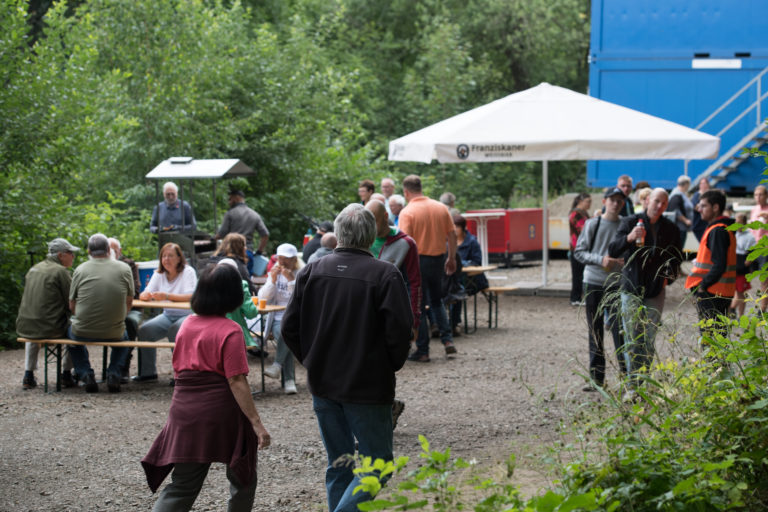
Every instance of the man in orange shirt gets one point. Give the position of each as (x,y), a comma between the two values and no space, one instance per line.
(429,223)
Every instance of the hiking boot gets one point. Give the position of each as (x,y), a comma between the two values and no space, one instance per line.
(67,380)
(290,387)
(29,381)
(397,410)
(450,348)
(90,383)
(113,383)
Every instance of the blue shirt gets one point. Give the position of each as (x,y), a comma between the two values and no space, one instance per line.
(168,218)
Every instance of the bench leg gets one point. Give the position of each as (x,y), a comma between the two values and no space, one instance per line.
(104,366)
(52,352)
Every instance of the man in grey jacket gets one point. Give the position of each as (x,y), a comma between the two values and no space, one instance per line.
(601,284)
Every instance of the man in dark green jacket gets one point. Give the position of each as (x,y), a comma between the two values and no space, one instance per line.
(44,310)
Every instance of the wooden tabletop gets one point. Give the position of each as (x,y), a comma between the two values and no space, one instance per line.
(478,269)
(271,308)
(161,304)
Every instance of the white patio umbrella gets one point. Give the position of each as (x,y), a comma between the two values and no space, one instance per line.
(547,123)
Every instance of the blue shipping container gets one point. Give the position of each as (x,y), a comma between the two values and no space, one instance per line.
(680,60)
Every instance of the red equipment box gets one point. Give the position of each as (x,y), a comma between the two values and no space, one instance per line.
(514,236)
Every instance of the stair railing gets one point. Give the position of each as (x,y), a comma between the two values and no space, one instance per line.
(756,105)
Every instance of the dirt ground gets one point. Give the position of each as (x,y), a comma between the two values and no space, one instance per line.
(504,392)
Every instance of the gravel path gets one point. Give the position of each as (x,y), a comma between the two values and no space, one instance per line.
(505,391)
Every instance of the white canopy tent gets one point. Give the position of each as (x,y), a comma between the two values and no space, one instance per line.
(547,123)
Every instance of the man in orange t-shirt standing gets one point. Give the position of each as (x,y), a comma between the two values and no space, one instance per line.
(429,223)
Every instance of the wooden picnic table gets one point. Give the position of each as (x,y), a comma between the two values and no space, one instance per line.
(473,270)
(161,304)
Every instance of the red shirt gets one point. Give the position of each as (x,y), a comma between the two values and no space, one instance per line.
(210,344)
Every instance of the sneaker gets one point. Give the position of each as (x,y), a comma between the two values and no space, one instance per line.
(290,387)
(273,372)
(29,381)
(435,331)
(90,383)
(450,348)
(419,358)
(144,378)
(397,410)
(68,380)
(113,383)
(456,331)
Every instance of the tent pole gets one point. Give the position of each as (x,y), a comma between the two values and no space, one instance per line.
(544,223)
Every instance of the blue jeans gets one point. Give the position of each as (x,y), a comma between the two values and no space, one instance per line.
(432,271)
(641,319)
(152,330)
(284,356)
(81,362)
(340,424)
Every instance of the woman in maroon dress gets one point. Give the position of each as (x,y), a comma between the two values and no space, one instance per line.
(212,416)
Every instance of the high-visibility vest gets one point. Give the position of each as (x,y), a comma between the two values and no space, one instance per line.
(726,285)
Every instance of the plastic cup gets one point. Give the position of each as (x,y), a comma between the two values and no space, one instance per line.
(262,303)
(255,301)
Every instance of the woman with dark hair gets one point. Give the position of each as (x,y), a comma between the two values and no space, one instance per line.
(576,219)
(212,416)
(173,281)
(469,253)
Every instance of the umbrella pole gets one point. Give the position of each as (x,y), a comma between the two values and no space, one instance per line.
(544,223)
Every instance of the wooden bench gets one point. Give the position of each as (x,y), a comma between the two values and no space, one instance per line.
(491,295)
(52,348)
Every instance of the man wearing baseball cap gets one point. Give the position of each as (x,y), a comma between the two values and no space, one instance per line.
(601,284)
(44,309)
(242,219)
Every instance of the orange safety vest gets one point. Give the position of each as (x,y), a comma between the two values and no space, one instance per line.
(726,285)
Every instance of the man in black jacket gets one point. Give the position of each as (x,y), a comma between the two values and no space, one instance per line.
(652,255)
(349,323)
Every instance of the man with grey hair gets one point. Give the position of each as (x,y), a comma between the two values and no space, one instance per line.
(396,204)
(101,294)
(133,318)
(168,216)
(652,253)
(44,308)
(449,200)
(680,208)
(387,187)
(349,323)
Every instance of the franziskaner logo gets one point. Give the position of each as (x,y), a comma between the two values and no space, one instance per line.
(462,151)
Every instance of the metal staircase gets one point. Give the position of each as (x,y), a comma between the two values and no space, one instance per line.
(757,137)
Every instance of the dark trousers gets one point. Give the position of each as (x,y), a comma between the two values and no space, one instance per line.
(187,480)
(432,271)
(709,306)
(82,364)
(577,276)
(599,300)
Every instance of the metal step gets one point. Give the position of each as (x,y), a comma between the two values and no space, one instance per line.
(734,157)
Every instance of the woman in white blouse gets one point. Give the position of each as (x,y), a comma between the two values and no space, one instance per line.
(278,290)
(173,281)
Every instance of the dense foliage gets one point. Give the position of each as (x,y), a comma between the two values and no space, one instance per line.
(95,93)
(695,440)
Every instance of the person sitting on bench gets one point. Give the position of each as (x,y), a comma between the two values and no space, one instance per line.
(44,308)
(100,296)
